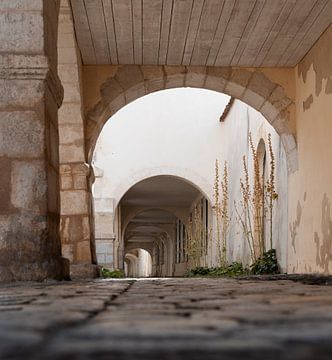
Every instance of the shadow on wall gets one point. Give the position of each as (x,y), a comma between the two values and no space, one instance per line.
(324,245)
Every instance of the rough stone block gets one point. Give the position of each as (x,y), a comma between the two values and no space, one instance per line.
(253,99)
(135,92)
(154,85)
(72,93)
(116,104)
(70,113)
(66,182)
(83,251)
(52,144)
(280,123)
(104,248)
(66,40)
(74,202)
(195,76)
(258,90)
(79,181)
(86,227)
(83,271)
(22,31)
(20,93)
(5,188)
(237,83)
(65,27)
(101,258)
(68,55)
(109,259)
(68,73)
(277,102)
(67,251)
(28,186)
(21,134)
(21,5)
(53,195)
(217,78)
(152,72)
(71,134)
(72,153)
(111,89)
(129,76)
(174,76)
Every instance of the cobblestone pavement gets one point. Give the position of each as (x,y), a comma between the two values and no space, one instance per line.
(180,319)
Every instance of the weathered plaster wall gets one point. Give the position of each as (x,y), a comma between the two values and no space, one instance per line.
(241,120)
(310,189)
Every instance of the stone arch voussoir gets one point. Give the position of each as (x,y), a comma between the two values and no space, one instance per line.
(253,87)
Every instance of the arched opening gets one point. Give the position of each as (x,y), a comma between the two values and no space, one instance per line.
(137,263)
(254,88)
(151,213)
(155,174)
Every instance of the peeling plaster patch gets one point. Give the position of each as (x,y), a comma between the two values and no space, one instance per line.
(324,247)
(307,103)
(320,57)
(294,226)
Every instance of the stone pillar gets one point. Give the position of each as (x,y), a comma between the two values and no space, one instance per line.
(75,218)
(76,210)
(30,94)
(105,236)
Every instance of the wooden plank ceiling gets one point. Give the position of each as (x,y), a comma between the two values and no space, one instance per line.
(251,33)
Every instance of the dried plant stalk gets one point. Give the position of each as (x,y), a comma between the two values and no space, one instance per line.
(217,210)
(253,202)
(270,189)
(245,203)
(224,214)
(196,235)
(258,203)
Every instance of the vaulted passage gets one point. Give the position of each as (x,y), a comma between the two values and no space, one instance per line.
(181,148)
(153,209)
(159,187)
(69,66)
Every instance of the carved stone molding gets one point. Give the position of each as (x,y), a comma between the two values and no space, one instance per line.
(31,67)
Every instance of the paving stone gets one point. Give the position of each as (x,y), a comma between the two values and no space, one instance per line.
(175,319)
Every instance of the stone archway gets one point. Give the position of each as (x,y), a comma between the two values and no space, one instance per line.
(186,175)
(129,82)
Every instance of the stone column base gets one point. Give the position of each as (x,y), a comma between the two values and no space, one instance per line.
(84,271)
(57,269)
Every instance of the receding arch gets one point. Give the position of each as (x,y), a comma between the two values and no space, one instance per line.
(252,87)
(188,176)
(137,211)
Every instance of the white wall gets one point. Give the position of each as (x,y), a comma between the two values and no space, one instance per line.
(234,143)
(176,130)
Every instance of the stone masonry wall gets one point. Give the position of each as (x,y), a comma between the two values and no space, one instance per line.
(30,94)
(76,233)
